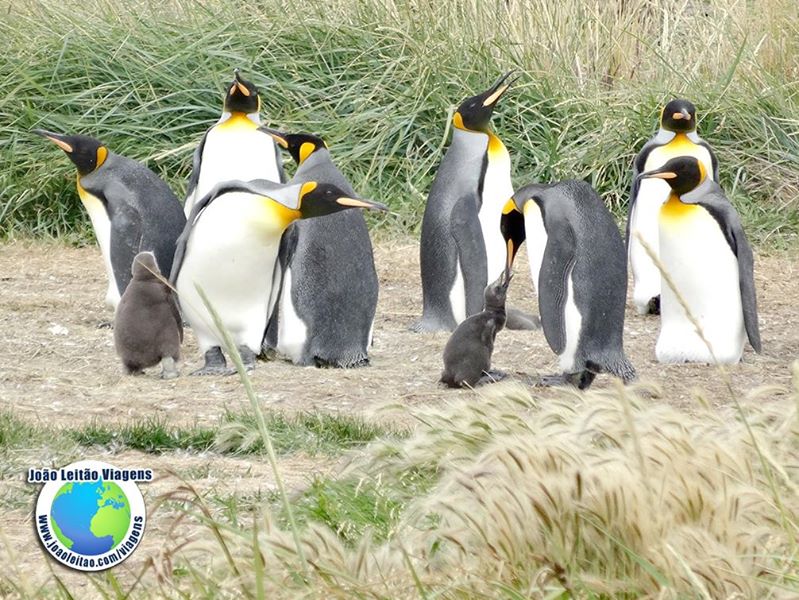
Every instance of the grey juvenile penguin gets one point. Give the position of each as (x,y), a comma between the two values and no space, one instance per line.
(147,327)
(467,355)
(582,285)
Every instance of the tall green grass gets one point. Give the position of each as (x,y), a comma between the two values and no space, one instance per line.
(378,79)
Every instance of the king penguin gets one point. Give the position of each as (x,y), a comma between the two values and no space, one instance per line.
(707,257)
(461,246)
(677,137)
(326,305)
(582,280)
(229,249)
(234,148)
(131,209)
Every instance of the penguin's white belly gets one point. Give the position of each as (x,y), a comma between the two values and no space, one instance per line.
(102,231)
(573,322)
(536,238)
(231,256)
(652,193)
(234,152)
(497,190)
(457,295)
(704,269)
(292,331)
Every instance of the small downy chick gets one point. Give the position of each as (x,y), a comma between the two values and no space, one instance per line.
(147,326)
(467,355)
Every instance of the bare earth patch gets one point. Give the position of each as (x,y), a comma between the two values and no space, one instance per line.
(58,368)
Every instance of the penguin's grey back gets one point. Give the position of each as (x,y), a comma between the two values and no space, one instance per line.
(334,284)
(456,185)
(142,207)
(599,274)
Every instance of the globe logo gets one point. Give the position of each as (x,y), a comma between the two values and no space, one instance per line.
(90,515)
(90,518)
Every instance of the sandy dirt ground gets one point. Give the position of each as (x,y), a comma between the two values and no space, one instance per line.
(58,368)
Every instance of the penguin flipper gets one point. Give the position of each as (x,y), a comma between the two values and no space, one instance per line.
(126,239)
(720,208)
(196,165)
(468,236)
(638,167)
(556,268)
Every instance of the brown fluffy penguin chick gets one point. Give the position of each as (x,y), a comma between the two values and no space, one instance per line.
(467,355)
(147,326)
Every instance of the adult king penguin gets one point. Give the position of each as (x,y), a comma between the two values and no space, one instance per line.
(705,253)
(461,247)
(131,209)
(234,148)
(229,249)
(326,307)
(582,281)
(677,137)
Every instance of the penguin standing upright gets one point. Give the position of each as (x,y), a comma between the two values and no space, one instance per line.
(467,355)
(582,281)
(328,296)
(148,328)
(461,246)
(677,137)
(706,255)
(229,249)
(131,208)
(234,148)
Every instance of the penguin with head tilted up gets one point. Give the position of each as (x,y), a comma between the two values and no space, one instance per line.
(148,328)
(467,355)
(582,285)
(705,254)
(130,207)
(234,148)
(461,246)
(677,137)
(229,249)
(328,283)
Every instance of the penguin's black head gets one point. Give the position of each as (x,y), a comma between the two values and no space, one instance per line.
(242,96)
(299,145)
(145,267)
(496,292)
(87,153)
(678,116)
(511,224)
(320,199)
(474,114)
(683,174)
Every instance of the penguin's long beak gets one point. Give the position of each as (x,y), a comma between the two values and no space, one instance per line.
(57,139)
(496,91)
(238,84)
(278,136)
(682,115)
(657,174)
(358,203)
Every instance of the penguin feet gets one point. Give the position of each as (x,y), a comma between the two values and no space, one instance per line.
(491,377)
(168,368)
(653,308)
(248,358)
(215,364)
(521,321)
(582,380)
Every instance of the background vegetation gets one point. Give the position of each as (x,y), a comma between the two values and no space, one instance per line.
(378,79)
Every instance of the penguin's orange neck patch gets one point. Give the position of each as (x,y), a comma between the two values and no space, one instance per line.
(237,121)
(495,146)
(674,209)
(679,143)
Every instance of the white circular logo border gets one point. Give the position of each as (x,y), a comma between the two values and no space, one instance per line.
(97,562)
